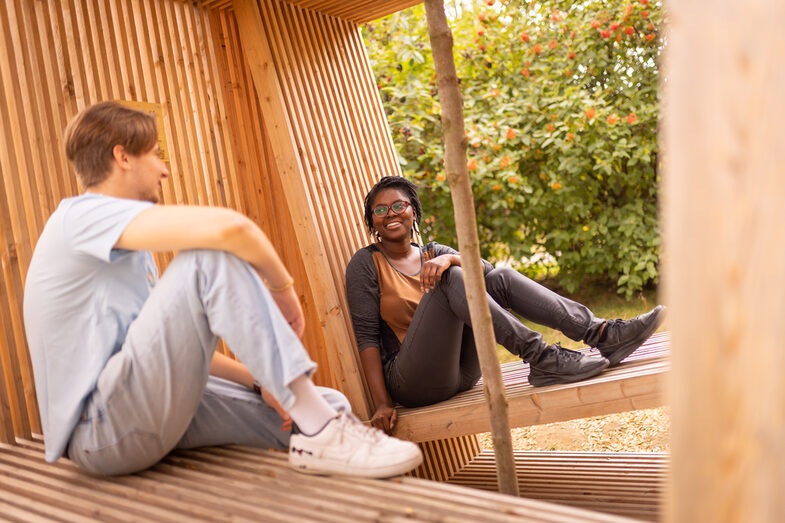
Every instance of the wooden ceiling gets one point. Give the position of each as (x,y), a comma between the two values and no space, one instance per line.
(357,11)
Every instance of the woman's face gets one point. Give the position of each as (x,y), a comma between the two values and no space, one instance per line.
(393,226)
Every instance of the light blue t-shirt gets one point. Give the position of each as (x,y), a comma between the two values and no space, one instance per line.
(81,295)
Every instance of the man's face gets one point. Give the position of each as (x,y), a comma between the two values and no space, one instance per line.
(147,172)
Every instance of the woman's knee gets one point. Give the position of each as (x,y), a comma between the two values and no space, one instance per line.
(500,274)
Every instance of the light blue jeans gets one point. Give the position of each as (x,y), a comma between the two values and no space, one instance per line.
(156,394)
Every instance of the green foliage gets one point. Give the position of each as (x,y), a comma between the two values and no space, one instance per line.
(561,119)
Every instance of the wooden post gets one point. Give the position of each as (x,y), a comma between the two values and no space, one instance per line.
(724,215)
(287,162)
(468,241)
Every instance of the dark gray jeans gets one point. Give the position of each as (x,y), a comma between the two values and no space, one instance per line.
(438,358)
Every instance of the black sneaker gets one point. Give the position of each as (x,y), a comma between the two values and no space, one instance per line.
(624,336)
(559,365)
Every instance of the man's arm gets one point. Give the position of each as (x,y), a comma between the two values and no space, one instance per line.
(183,227)
(225,367)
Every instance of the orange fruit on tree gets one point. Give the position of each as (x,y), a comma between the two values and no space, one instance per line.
(556,186)
(505,162)
(512,179)
(510,135)
(496,187)
(440,177)
(472,166)
(612,119)
(632,118)
(591,113)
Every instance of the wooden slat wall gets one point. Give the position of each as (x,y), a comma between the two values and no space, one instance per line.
(337,118)
(59,57)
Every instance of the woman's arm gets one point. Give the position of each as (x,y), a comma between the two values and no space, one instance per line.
(384,417)
(432,270)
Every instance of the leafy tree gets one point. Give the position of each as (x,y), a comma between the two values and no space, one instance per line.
(561,110)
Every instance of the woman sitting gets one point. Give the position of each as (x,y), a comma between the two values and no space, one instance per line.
(411,318)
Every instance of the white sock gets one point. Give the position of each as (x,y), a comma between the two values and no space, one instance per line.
(310,411)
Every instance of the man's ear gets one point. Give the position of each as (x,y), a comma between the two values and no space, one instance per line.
(121,157)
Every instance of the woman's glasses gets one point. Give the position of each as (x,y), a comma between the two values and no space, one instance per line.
(397,208)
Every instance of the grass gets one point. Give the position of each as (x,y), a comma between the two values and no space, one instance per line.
(603,301)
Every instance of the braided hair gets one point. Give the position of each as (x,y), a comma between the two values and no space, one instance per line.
(393,182)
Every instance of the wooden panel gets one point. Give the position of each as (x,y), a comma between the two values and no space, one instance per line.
(626,484)
(58,57)
(635,384)
(723,214)
(243,484)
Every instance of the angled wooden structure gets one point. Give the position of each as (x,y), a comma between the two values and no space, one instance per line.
(268,107)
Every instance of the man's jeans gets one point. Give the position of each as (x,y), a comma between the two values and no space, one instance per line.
(154,394)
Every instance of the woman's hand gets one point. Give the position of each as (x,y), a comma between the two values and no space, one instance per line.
(432,270)
(289,303)
(384,418)
(286,423)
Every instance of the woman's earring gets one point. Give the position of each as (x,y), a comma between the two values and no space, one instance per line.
(378,237)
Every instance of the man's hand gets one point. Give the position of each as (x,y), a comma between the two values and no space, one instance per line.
(384,418)
(286,424)
(289,303)
(432,270)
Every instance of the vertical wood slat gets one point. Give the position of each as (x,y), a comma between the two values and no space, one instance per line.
(270,86)
(723,214)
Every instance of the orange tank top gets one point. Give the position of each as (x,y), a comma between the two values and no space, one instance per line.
(399,294)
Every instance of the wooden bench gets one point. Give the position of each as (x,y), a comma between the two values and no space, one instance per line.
(635,384)
(627,484)
(244,484)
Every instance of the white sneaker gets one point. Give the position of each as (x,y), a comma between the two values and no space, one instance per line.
(347,447)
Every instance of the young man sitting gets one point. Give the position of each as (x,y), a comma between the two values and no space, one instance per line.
(125,365)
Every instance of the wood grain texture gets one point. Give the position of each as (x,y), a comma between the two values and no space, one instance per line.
(723,217)
(621,483)
(244,484)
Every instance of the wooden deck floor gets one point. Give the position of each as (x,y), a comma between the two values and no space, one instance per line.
(628,484)
(635,384)
(244,484)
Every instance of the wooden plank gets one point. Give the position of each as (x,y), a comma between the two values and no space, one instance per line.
(627,484)
(245,484)
(635,384)
(287,161)
(723,213)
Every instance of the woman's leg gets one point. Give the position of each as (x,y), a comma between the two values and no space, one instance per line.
(437,358)
(536,303)
(616,339)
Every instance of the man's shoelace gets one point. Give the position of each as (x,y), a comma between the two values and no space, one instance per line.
(350,422)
